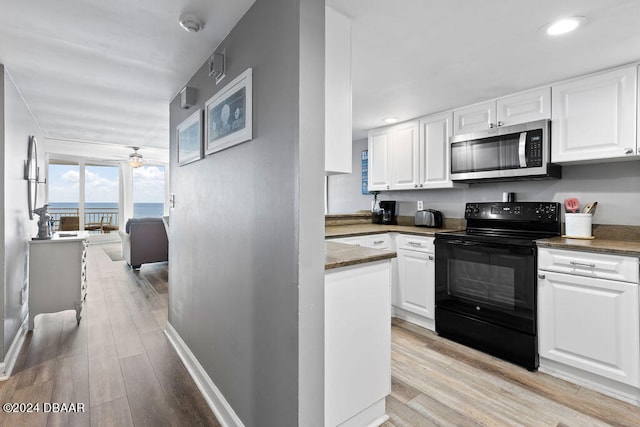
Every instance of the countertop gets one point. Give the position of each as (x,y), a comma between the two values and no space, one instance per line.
(364,229)
(342,255)
(619,247)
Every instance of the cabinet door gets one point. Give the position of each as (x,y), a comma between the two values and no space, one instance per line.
(434,150)
(524,107)
(416,278)
(474,118)
(595,117)
(337,110)
(404,156)
(378,160)
(590,324)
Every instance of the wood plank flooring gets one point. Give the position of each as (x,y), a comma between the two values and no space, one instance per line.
(117,362)
(436,382)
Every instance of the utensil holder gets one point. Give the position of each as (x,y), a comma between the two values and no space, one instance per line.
(578,225)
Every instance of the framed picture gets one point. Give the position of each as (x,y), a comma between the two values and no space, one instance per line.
(229,115)
(189,137)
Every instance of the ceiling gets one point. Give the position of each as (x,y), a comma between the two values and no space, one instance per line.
(105,71)
(415,57)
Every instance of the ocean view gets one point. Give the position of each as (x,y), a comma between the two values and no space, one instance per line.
(140,210)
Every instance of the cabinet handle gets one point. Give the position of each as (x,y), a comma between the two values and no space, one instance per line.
(387,187)
(421,185)
(582,264)
(414,244)
(430,257)
(541,276)
(628,151)
(500,124)
(492,125)
(415,185)
(377,242)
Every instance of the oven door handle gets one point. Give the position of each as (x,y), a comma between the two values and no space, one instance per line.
(462,242)
(496,248)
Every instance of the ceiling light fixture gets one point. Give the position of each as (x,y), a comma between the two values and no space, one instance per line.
(564,25)
(135,158)
(191,23)
(390,120)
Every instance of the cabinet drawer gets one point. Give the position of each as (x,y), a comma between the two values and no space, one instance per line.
(591,264)
(378,241)
(415,243)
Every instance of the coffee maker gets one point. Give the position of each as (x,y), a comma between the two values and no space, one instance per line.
(387,212)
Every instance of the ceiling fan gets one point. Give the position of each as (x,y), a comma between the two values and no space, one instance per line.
(135,158)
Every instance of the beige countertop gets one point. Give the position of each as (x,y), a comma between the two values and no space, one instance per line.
(619,247)
(342,255)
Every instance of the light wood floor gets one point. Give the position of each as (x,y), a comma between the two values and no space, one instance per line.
(436,382)
(117,362)
(120,365)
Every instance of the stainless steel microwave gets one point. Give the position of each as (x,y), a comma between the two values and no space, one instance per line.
(508,153)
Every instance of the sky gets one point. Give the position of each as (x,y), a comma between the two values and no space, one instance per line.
(102,184)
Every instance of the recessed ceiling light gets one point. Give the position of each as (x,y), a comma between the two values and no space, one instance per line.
(390,120)
(564,25)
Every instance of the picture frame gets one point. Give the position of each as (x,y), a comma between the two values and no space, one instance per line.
(229,115)
(189,139)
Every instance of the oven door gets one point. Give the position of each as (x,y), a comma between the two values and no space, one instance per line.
(492,282)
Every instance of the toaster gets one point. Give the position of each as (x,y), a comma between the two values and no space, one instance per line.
(429,218)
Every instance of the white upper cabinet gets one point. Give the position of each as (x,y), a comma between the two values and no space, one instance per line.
(435,131)
(595,117)
(338,127)
(524,107)
(393,157)
(404,155)
(510,110)
(474,118)
(379,160)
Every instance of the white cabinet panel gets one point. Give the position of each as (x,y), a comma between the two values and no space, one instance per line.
(434,151)
(404,152)
(474,118)
(338,129)
(524,107)
(379,160)
(417,293)
(595,117)
(602,266)
(357,340)
(590,324)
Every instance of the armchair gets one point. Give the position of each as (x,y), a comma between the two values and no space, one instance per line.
(144,240)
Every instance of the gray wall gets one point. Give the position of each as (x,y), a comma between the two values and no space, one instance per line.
(16,124)
(615,186)
(240,264)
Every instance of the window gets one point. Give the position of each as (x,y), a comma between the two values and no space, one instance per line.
(63,183)
(148,191)
(101,195)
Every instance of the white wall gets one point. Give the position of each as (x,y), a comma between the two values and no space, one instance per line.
(615,186)
(16,229)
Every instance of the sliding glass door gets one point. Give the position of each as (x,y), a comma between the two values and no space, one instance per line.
(101,198)
(148,191)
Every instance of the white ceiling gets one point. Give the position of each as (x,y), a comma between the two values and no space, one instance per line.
(415,57)
(105,71)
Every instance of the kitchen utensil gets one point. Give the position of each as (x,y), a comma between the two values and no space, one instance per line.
(571,205)
(590,208)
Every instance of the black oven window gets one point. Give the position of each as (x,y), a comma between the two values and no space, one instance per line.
(483,283)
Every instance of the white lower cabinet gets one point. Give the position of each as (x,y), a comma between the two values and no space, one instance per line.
(357,344)
(415,291)
(588,323)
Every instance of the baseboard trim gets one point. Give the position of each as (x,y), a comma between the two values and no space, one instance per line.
(6,367)
(216,401)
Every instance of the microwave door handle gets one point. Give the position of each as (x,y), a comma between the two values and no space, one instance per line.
(522,152)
